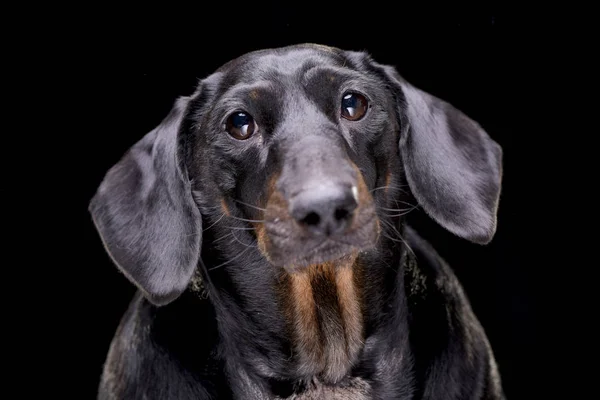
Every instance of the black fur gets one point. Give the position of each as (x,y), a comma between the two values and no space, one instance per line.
(179,213)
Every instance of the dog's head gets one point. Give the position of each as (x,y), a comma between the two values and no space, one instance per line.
(309,146)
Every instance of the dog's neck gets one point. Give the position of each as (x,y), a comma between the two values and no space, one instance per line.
(324,311)
(324,318)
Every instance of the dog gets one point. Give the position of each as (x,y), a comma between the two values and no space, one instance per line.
(263,222)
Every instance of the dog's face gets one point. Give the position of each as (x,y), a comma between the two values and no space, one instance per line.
(296,138)
(297,143)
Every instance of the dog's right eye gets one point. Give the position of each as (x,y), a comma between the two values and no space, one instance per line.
(240,125)
(354,106)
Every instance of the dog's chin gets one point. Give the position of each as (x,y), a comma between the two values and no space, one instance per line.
(327,252)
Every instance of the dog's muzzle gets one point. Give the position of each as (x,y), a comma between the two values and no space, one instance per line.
(319,209)
(326,209)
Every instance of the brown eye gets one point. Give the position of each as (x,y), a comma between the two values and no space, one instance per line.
(354,106)
(240,125)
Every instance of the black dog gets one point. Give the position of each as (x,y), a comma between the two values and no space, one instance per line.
(262,222)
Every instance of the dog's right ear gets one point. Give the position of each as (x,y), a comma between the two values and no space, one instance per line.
(453,167)
(146,216)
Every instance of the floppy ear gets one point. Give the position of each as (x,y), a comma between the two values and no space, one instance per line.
(146,216)
(453,167)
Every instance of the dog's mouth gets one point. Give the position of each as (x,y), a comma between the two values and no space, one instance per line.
(293,251)
(326,252)
(286,242)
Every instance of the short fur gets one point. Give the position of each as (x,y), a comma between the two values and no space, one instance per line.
(238,299)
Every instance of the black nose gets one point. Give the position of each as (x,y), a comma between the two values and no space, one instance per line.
(325,210)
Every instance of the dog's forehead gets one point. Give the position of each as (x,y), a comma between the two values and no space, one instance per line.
(292,61)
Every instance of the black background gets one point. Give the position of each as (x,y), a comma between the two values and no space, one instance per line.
(125,69)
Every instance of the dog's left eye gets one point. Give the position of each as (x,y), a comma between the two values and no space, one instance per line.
(354,106)
(240,125)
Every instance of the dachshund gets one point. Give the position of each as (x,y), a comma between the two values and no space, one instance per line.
(263,222)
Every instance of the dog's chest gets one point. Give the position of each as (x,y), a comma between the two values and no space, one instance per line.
(354,389)
(325,316)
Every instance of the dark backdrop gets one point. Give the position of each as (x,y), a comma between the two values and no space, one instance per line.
(126,69)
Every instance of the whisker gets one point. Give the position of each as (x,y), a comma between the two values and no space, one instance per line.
(214,223)
(193,234)
(389,224)
(392,187)
(236,228)
(250,205)
(222,237)
(398,209)
(230,260)
(240,242)
(399,214)
(406,202)
(391,238)
(402,241)
(389,266)
(399,236)
(247,220)
(378,188)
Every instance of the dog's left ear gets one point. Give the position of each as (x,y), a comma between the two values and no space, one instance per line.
(453,167)
(146,216)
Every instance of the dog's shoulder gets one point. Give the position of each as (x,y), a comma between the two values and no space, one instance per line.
(447,339)
(435,296)
(427,275)
(143,363)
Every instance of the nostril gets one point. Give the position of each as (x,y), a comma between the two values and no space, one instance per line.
(311,219)
(324,210)
(341,214)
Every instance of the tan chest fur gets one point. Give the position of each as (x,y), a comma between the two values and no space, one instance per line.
(324,313)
